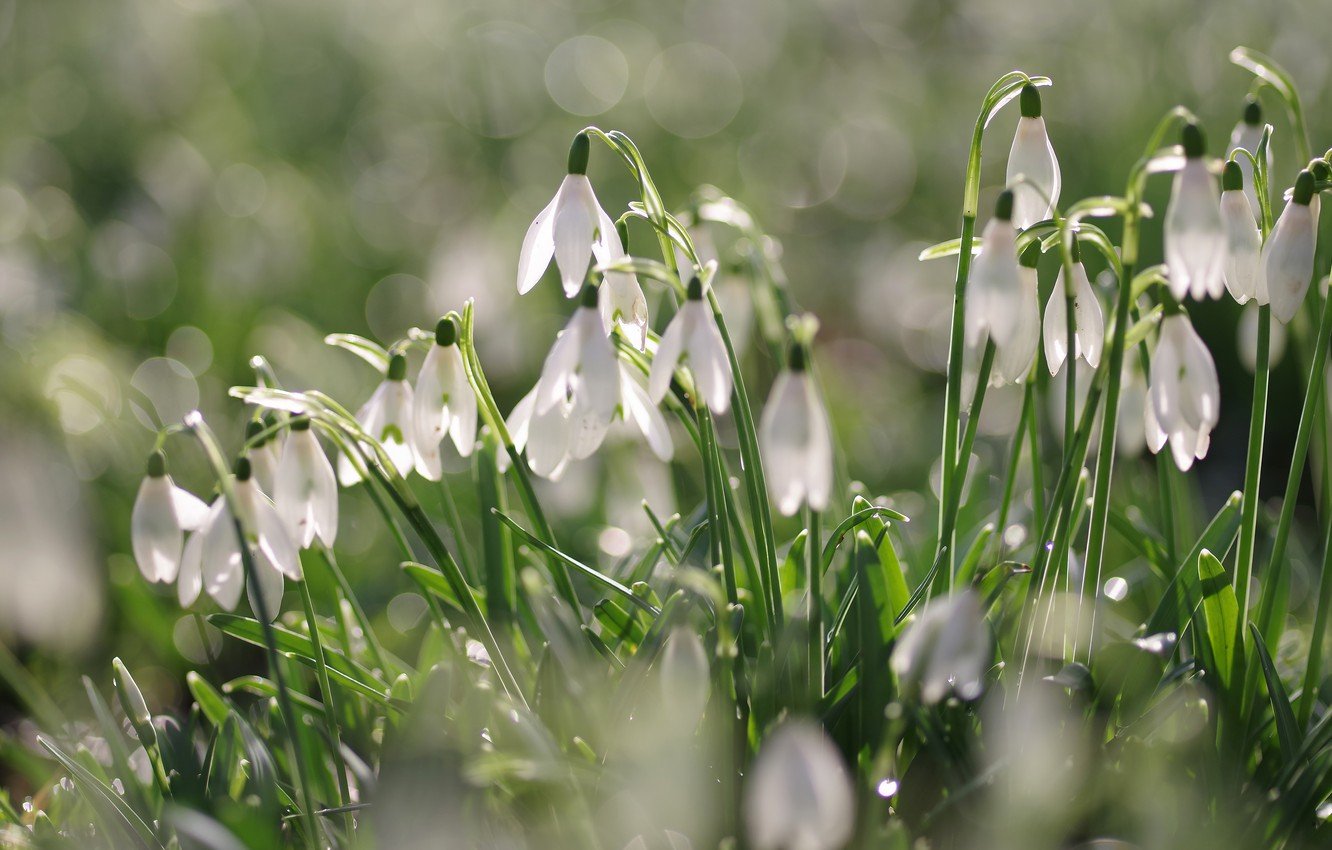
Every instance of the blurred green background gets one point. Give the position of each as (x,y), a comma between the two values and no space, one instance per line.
(185,183)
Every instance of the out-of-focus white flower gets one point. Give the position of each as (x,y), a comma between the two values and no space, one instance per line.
(162,514)
(693,337)
(795,439)
(622,299)
(1184,394)
(946,649)
(799,795)
(306,493)
(1195,238)
(1246,344)
(1032,158)
(685,682)
(994,292)
(443,402)
(1244,267)
(1289,253)
(582,373)
(571,228)
(212,558)
(1088,322)
(1248,134)
(264,456)
(387,417)
(1012,360)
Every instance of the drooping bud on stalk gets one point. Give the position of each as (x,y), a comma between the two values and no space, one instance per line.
(795,438)
(1244,268)
(693,339)
(1248,134)
(1195,237)
(1033,170)
(1288,255)
(443,403)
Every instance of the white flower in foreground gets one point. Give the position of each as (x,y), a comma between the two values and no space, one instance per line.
(692,338)
(799,795)
(1012,361)
(1289,253)
(1244,267)
(571,227)
(994,292)
(443,402)
(1195,238)
(1184,395)
(1248,134)
(544,436)
(795,439)
(685,682)
(387,417)
(1032,158)
(946,649)
(582,371)
(306,493)
(622,299)
(212,559)
(1088,322)
(162,514)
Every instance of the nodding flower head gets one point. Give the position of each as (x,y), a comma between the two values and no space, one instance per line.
(306,493)
(1184,396)
(795,439)
(1289,253)
(1248,134)
(1088,321)
(387,418)
(692,339)
(1243,268)
(1195,237)
(443,404)
(162,514)
(994,293)
(1033,169)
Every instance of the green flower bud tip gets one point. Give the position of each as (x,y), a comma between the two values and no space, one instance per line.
(1031,255)
(1232,178)
(1320,170)
(300,423)
(796,357)
(1304,188)
(578,153)
(587,296)
(446,332)
(137,707)
(397,370)
(1030,101)
(253,428)
(695,291)
(1003,207)
(1253,111)
(622,230)
(157,465)
(243,470)
(1195,144)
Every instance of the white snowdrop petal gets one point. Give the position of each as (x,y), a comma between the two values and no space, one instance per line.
(1195,238)
(223,574)
(155,533)
(557,372)
(189,583)
(1055,327)
(1288,261)
(799,794)
(1090,321)
(1033,158)
(1243,260)
(191,511)
(274,541)
(995,286)
(573,231)
(710,364)
(669,350)
(548,441)
(538,247)
(640,410)
(462,399)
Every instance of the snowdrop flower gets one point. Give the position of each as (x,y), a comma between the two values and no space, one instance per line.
(571,228)
(1289,253)
(1033,159)
(212,559)
(582,372)
(693,337)
(1088,323)
(1184,395)
(162,514)
(995,291)
(622,301)
(443,402)
(387,417)
(1012,361)
(638,409)
(946,649)
(306,493)
(1244,268)
(795,439)
(799,795)
(264,456)
(1195,238)
(1248,133)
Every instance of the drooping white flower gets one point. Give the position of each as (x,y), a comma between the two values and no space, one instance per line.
(795,439)
(443,403)
(946,649)
(212,559)
(693,338)
(544,436)
(162,514)
(582,371)
(685,683)
(799,795)
(264,456)
(1289,253)
(1012,361)
(622,299)
(1032,158)
(1184,394)
(1244,267)
(306,493)
(994,292)
(571,227)
(1195,238)
(1088,322)
(1248,134)
(387,417)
